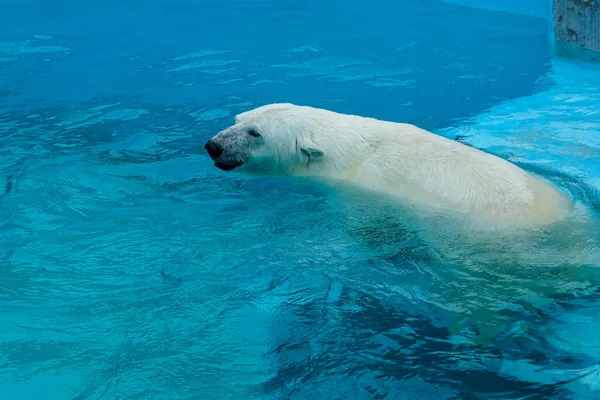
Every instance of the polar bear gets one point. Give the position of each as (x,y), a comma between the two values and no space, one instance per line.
(425,170)
(396,159)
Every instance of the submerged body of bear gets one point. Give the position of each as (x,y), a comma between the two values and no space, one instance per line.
(433,173)
(397,159)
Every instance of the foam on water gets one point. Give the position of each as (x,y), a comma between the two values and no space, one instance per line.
(28,46)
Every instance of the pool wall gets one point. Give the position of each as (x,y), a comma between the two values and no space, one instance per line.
(577,28)
(536,8)
(573,25)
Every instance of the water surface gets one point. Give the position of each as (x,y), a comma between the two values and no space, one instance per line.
(131,268)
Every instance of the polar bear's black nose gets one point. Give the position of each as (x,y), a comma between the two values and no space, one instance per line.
(214,149)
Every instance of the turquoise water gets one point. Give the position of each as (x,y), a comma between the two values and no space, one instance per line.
(131,268)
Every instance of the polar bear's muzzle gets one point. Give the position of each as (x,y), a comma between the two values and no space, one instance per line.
(227,167)
(223,159)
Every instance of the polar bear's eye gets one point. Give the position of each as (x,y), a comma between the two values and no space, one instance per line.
(253,132)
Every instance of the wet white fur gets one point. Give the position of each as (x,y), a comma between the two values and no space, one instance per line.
(400,160)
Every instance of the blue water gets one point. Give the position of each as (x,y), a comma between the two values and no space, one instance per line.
(132,269)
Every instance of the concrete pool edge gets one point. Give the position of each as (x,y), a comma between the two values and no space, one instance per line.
(576,29)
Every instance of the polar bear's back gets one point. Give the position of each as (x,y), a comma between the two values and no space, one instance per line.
(436,171)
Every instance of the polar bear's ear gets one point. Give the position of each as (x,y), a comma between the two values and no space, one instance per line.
(311,150)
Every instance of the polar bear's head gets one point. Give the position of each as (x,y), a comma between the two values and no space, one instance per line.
(275,137)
